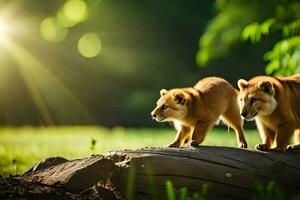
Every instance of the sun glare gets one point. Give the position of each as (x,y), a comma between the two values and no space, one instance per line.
(3,29)
(38,79)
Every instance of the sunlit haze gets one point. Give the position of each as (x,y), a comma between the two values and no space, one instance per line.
(3,29)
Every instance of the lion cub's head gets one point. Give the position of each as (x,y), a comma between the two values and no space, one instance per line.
(172,105)
(256,98)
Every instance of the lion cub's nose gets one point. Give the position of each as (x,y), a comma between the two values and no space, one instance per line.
(244,114)
(153,114)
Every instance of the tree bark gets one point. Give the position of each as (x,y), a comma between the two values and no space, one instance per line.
(229,173)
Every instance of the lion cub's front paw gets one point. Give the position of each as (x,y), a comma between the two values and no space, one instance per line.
(293,147)
(243,145)
(290,147)
(194,143)
(262,147)
(174,144)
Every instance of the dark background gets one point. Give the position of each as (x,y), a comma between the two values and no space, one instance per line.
(146,46)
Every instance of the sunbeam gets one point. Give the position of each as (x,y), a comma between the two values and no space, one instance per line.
(37,76)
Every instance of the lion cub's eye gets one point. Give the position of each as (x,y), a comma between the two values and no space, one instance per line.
(164,106)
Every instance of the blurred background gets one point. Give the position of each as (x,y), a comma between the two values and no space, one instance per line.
(102,62)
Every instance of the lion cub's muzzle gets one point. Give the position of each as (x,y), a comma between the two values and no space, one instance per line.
(158,117)
(247,116)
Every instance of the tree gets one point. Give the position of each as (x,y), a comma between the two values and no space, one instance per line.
(243,20)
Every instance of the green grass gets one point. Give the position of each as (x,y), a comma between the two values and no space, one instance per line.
(20,148)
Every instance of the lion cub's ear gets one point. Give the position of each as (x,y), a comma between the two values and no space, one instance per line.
(163,92)
(242,83)
(179,97)
(266,86)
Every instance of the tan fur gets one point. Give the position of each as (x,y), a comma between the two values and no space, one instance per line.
(296,139)
(274,103)
(195,110)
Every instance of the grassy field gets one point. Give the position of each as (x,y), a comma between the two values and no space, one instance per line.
(20,148)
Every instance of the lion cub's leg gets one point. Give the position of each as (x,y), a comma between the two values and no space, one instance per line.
(283,135)
(267,136)
(200,131)
(297,136)
(233,119)
(183,133)
(296,144)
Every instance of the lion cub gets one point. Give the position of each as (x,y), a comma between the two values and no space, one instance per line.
(274,103)
(195,110)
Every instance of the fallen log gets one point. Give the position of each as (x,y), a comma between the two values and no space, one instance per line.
(229,173)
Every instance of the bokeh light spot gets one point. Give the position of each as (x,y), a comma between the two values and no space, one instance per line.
(89,45)
(63,20)
(52,31)
(75,10)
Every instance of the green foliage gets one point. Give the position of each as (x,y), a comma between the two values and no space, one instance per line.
(224,30)
(255,30)
(271,191)
(170,191)
(257,20)
(292,28)
(93,144)
(183,192)
(130,183)
(284,58)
